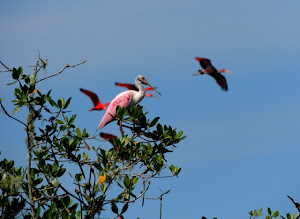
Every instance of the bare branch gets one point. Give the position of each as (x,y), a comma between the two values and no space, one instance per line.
(66,66)
(4,111)
(8,69)
(297,205)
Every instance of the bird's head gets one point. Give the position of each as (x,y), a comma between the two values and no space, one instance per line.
(143,80)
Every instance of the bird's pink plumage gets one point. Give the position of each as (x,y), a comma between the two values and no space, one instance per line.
(122,100)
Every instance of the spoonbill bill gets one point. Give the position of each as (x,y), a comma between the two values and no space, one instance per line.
(209,69)
(94,97)
(133,87)
(125,99)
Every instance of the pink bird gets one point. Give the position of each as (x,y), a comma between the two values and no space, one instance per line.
(125,99)
(212,71)
(97,103)
(133,87)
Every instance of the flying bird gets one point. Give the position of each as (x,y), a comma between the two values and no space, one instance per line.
(125,99)
(133,87)
(107,136)
(94,97)
(209,69)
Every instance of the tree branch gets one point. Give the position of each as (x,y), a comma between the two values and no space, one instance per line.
(4,111)
(8,69)
(66,66)
(297,205)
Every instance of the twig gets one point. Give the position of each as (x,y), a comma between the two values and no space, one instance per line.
(8,69)
(10,115)
(160,208)
(295,203)
(66,66)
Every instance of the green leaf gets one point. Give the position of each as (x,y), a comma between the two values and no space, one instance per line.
(275,214)
(259,211)
(134,180)
(85,156)
(154,121)
(114,208)
(33,78)
(16,73)
(54,167)
(60,103)
(59,121)
(73,117)
(67,103)
(126,182)
(102,187)
(124,209)
(52,102)
(269,211)
(66,201)
(11,83)
(268,217)
(17,109)
(159,128)
(78,177)
(20,70)
(78,132)
(87,197)
(179,134)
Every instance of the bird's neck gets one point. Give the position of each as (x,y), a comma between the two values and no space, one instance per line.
(138,95)
(142,90)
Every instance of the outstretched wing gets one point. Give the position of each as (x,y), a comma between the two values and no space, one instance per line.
(108,137)
(221,80)
(204,62)
(128,86)
(92,95)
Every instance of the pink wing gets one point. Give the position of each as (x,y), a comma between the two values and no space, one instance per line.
(122,100)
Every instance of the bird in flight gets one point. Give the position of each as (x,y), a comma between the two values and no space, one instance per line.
(94,97)
(209,69)
(125,99)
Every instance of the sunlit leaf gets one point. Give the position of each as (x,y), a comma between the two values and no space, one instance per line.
(17,109)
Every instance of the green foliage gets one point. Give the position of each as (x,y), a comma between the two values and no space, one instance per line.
(270,215)
(59,152)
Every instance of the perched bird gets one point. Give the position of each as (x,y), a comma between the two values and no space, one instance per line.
(133,87)
(125,99)
(97,103)
(212,71)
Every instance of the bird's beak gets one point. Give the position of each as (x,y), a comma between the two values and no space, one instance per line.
(144,81)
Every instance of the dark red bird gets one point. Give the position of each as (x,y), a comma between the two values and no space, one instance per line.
(97,103)
(133,87)
(108,137)
(212,71)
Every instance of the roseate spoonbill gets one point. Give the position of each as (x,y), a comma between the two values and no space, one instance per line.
(125,99)
(209,69)
(94,97)
(133,87)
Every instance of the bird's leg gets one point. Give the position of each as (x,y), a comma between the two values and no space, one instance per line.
(121,129)
(225,70)
(200,72)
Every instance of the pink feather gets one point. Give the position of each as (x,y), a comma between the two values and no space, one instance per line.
(122,100)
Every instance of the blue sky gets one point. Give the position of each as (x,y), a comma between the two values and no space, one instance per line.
(242,146)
